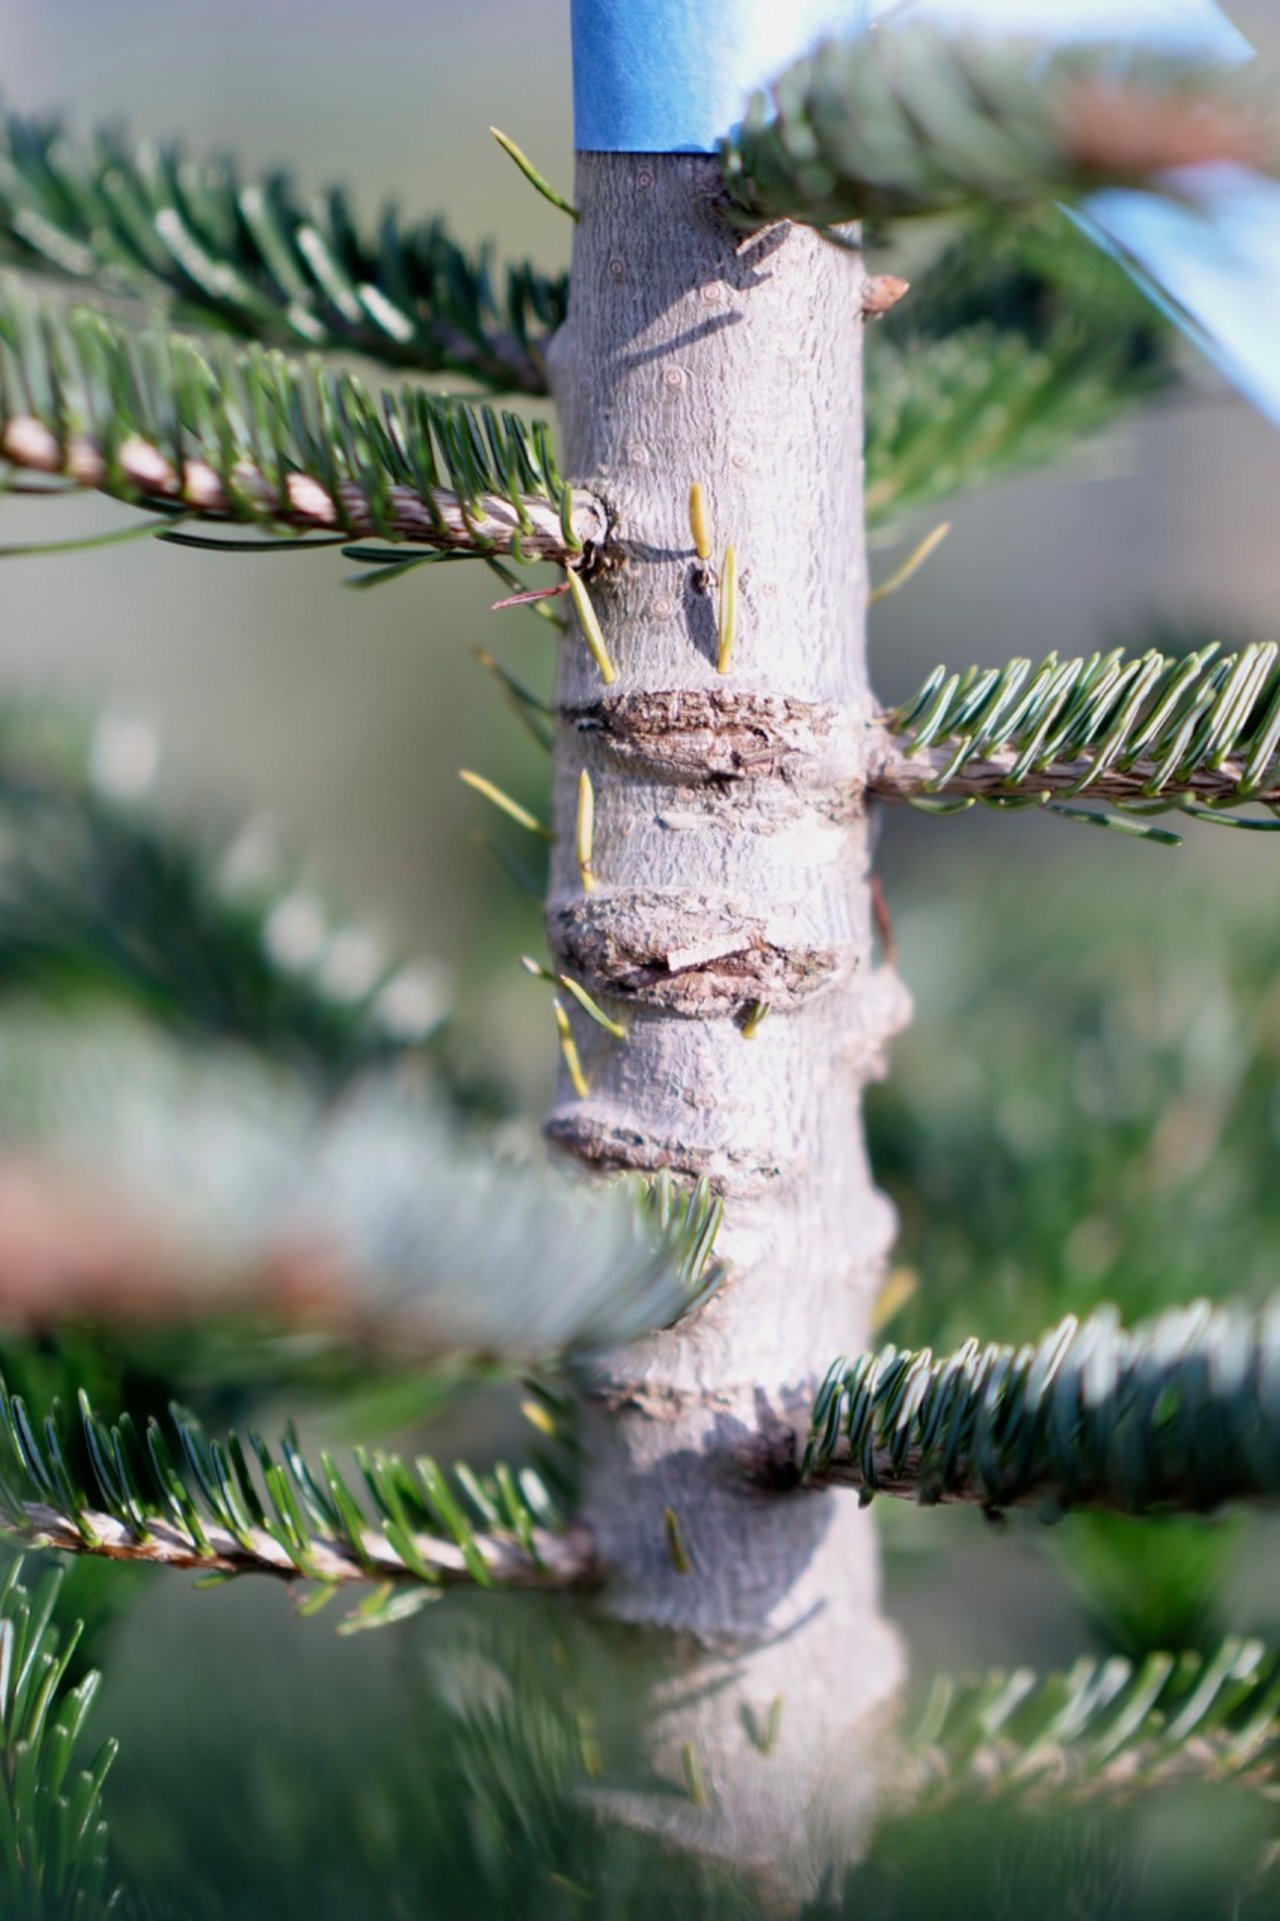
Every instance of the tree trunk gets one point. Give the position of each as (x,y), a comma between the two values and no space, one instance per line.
(730,872)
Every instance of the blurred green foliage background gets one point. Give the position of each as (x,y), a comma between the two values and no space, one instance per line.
(1088,1105)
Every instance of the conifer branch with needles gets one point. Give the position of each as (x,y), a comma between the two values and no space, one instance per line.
(1177,1414)
(916,120)
(1138,734)
(1016,343)
(53,1838)
(1106,1727)
(247,257)
(177,1499)
(278,443)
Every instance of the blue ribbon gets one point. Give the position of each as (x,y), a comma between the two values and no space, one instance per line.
(672,76)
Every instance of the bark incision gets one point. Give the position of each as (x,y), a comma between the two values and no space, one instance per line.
(731,863)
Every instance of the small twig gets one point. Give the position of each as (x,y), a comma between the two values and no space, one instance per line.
(585,832)
(569,1053)
(591,629)
(698,525)
(677,1552)
(591,1008)
(504,802)
(694,1780)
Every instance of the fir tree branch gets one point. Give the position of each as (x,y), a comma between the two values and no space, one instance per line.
(1140,734)
(1106,1727)
(209,930)
(53,1839)
(1180,1413)
(553,1560)
(953,414)
(177,1499)
(257,437)
(920,121)
(249,257)
(1019,340)
(141,1183)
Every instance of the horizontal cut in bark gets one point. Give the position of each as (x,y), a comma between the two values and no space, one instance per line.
(692,734)
(685,955)
(607,1144)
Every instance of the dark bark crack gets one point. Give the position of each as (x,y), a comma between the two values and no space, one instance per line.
(700,736)
(677,955)
(610,1146)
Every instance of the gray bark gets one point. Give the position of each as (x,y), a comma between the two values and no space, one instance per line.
(732,868)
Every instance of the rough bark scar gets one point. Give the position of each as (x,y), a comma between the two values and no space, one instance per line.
(611,1146)
(684,956)
(702,736)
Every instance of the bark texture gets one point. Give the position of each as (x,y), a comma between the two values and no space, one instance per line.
(731,869)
